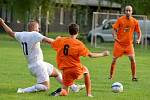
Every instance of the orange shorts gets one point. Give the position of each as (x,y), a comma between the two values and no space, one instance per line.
(120,50)
(71,74)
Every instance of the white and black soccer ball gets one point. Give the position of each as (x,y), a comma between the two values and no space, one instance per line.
(117,87)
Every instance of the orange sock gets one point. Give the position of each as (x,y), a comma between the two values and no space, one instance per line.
(133,69)
(112,70)
(63,92)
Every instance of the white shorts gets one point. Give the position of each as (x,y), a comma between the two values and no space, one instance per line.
(41,70)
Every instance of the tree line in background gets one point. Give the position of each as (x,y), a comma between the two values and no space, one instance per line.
(140,6)
(36,8)
(25,10)
(33,8)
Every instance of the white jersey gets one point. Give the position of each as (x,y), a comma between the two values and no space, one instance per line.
(30,42)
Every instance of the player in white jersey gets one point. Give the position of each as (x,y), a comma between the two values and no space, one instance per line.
(30,43)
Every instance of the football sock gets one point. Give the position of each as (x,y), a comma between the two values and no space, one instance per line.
(74,87)
(37,87)
(133,69)
(112,70)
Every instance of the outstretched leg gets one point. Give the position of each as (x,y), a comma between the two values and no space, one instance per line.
(35,88)
(42,76)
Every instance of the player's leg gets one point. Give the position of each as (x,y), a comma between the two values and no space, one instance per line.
(133,67)
(131,55)
(67,81)
(117,52)
(34,88)
(69,75)
(57,74)
(87,81)
(112,68)
(87,84)
(75,75)
(42,80)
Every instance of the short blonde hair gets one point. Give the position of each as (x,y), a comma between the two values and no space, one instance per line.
(31,24)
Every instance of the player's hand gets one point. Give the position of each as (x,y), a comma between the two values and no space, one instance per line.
(115,37)
(106,53)
(58,37)
(138,41)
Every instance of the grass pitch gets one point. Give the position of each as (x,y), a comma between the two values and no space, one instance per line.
(14,74)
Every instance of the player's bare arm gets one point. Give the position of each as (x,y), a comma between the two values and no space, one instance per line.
(139,37)
(101,54)
(7,28)
(48,40)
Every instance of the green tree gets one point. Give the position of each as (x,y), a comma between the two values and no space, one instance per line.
(25,10)
(140,6)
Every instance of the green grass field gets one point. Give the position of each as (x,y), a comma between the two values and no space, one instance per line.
(14,74)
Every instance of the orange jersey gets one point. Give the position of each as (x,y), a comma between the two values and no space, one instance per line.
(125,30)
(69,51)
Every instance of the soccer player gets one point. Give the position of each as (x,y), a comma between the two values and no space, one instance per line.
(69,49)
(30,43)
(124,29)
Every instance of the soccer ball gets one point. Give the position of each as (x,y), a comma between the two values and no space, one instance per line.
(117,87)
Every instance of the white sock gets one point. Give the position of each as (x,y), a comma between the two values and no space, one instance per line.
(59,78)
(74,87)
(34,88)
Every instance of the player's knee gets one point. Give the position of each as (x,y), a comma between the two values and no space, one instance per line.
(56,73)
(46,84)
(114,60)
(48,87)
(87,74)
(132,59)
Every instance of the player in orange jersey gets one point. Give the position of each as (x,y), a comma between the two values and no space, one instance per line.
(69,49)
(123,32)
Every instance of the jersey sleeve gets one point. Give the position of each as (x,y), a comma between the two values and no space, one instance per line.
(37,37)
(116,25)
(83,51)
(137,27)
(17,36)
(56,44)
